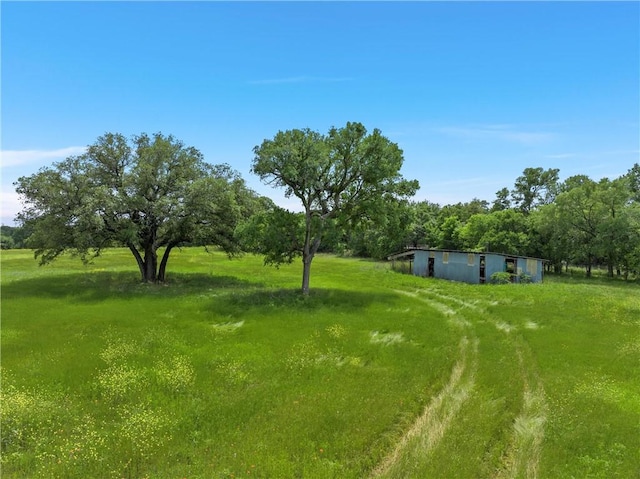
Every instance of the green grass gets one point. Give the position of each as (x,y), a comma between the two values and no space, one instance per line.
(229,372)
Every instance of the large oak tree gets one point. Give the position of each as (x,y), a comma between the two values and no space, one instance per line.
(150,194)
(339,178)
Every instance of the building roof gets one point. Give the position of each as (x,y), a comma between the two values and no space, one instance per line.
(410,251)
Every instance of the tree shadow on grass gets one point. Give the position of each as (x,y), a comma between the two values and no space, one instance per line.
(239,302)
(228,295)
(103,285)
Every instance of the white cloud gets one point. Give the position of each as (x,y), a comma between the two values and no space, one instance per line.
(506,133)
(561,156)
(620,152)
(11,162)
(275,81)
(595,155)
(10,205)
(24,157)
(299,79)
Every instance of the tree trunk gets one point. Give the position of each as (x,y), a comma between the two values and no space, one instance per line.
(306,274)
(308,252)
(139,260)
(150,272)
(307,255)
(163,264)
(150,265)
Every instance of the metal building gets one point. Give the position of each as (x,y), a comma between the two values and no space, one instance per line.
(469,266)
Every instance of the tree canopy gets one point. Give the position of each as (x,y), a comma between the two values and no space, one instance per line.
(148,193)
(151,194)
(578,221)
(535,187)
(340,178)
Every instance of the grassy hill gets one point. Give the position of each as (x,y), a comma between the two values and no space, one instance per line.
(228,371)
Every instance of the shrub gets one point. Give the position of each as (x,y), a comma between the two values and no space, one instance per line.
(501,278)
(524,278)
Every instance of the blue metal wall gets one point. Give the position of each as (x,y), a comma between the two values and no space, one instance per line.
(531,266)
(464,266)
(457,267)
(495,264)
(420,263)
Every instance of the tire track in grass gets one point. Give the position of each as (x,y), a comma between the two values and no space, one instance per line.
(522,456)
(429,428)
(431,425)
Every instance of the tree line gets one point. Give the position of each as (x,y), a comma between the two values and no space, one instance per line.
(578,221)
(152,193)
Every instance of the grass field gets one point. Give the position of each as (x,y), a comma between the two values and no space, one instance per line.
(229,372)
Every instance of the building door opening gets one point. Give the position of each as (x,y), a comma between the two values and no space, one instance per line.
(483,277)
(511,267)
(431,267)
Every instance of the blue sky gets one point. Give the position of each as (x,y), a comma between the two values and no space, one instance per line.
(473,93)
